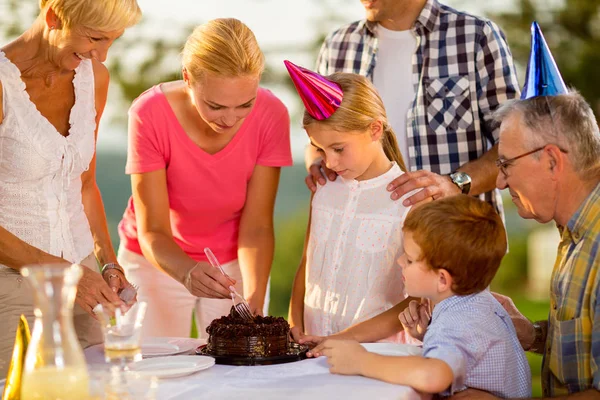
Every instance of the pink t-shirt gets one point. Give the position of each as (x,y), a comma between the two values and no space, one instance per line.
(206,192)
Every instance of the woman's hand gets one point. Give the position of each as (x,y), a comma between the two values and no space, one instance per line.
(415,318)
(93,290)
(204,280)
(115,279)
(256,306)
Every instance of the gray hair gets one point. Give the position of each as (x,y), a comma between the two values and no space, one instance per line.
(566,120)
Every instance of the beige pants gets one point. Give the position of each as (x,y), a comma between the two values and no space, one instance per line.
(170,305)
(16,298)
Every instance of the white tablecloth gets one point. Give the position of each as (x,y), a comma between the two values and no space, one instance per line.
(306,379)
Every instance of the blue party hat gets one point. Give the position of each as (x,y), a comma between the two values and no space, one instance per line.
(543,77)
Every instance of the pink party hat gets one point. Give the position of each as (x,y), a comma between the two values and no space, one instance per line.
(320,96)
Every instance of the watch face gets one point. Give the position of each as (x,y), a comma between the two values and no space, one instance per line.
(462,180)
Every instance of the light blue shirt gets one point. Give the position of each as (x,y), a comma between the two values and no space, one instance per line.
(475,336)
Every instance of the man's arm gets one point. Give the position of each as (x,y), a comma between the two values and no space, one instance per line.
(322,65)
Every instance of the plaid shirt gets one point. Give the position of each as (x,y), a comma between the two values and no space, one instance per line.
(572,357)
(462,71)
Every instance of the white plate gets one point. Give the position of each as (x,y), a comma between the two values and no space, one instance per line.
(393,349)
(172,366)
(167,346)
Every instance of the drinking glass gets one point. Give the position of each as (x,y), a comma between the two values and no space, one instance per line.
(122,333)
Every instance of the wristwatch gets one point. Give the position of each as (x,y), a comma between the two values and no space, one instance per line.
(539,340)
(462,180)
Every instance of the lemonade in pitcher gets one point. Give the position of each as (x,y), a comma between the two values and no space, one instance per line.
(54,367)
(70,383)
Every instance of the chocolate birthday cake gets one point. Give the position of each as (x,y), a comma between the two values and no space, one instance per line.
(232,335)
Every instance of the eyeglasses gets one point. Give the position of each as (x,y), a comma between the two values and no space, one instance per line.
(504,164)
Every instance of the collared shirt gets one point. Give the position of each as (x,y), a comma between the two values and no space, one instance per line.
(475,336)
(572,357)
(462,71)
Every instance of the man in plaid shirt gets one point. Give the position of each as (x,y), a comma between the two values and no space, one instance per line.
(548,159)
(441,73)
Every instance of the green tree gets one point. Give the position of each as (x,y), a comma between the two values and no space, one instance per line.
(572,30)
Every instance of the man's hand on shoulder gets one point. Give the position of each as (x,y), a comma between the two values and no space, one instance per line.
(316,173)
(433,186)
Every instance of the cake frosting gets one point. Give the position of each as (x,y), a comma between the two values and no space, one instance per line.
(232,335)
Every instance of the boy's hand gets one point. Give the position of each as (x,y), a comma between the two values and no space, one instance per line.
(415,318)
(343,356)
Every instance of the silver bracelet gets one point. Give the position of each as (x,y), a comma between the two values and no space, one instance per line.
(187,280)
(111,266)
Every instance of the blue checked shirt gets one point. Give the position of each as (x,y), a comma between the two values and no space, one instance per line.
(572,357)
(462,71)
(475,336)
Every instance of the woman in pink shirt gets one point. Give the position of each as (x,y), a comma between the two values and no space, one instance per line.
(204,157)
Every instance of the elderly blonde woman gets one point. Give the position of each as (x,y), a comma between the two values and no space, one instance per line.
(204,157)
(53,89)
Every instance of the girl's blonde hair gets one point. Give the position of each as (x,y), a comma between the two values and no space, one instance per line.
(361,106)
(224,46)
(101,15)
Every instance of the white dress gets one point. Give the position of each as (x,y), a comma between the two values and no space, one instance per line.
(355,240)
(40,170)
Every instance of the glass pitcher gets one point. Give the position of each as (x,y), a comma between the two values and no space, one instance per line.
(55,367)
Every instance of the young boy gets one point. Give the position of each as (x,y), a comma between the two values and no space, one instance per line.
(453,248)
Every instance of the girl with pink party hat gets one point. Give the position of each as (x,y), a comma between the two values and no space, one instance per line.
(348,272)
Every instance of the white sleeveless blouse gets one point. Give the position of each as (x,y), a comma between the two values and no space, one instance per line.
(355,240)
(40,170)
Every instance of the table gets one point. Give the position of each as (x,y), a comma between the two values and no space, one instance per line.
(306,379)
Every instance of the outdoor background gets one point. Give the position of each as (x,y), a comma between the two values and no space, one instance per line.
(287,29)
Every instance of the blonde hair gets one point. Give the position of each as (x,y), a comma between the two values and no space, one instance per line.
(101,15)
(361,106)
(224,46)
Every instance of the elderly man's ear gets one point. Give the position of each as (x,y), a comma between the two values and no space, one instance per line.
(556,159)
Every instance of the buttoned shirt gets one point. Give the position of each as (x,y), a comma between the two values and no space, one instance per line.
(572,357)
(475,336)
(462,71)
(40,170)
(355,240)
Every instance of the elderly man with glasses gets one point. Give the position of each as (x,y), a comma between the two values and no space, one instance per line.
(550,163)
